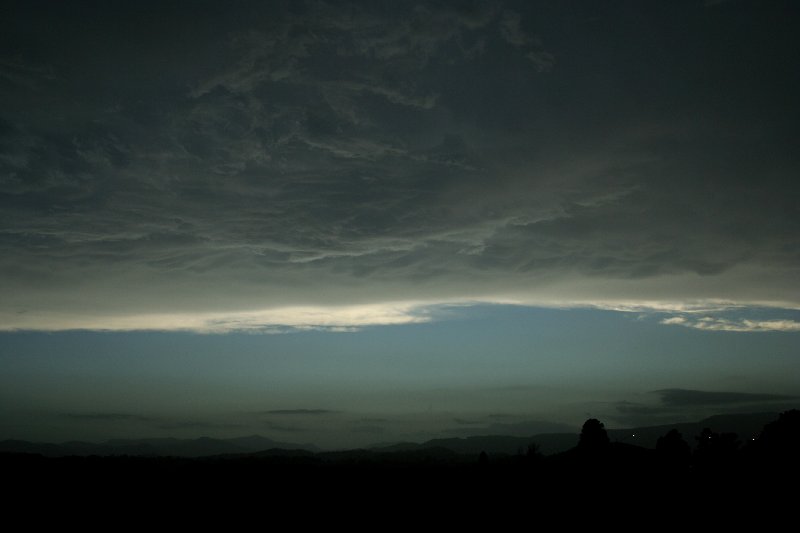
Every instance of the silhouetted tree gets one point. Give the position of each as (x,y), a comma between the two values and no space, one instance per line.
(483,459)
(779,442)
(782,435)
(714,449)
(593,435)
(727,444)
(673,450)
(533,453)
(704,440)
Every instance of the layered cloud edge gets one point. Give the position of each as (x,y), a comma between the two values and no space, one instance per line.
(707,315)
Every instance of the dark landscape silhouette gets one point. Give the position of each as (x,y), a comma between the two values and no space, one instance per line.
(711,462)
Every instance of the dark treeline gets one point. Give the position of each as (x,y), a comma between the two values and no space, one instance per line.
(596,468)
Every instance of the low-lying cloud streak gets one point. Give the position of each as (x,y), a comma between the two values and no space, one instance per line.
(684,397)
(107,417)
(338,165)
(742,325)
(281,320)
(691,405)
(301,412)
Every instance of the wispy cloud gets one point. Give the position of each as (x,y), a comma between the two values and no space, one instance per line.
(709,323)
(700,314)
(665,306)
(352,318)
(108,417)
(465,422)
(197,425)
(284,428)
(302,412)
(272,321)
(687,397)
(367,429)
(523,429)
(510,29)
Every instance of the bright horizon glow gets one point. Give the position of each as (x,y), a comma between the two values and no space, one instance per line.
(353,317)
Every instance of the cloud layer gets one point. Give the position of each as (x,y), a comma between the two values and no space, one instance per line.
(675,405)
(742,325)
(312,164)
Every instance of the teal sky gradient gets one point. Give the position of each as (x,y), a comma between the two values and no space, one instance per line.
(400,382)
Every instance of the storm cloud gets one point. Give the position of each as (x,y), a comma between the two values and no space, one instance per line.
(339,164)
(691,405)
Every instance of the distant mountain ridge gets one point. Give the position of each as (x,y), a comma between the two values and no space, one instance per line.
(200,447)
(548,443)
(746,426)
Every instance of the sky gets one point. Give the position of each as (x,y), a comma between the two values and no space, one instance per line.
(356,222)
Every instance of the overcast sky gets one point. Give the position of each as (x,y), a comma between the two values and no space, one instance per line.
(367,170)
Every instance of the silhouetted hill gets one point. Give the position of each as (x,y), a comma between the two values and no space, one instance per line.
(595,470)
(284,452)
(434,456)
(438,455)
(548,443)
(259,443)
(719,474)
(746,426)
(200,447)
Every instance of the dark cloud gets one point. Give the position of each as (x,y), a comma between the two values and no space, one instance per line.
(161,423)
(501,415)
(521,429)
(685,405)
(628,414)
(371,430)
(107,417)
(640,410)
(302,412)
(197,424)
(465,422)
(284,428)
(334,153)
(687,398)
